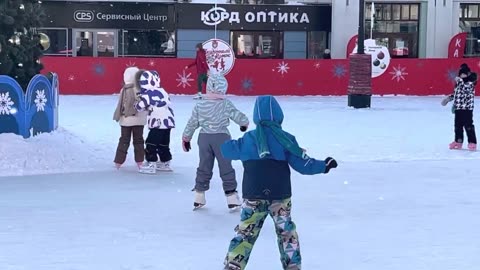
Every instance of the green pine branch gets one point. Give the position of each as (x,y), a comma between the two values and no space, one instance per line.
(20,50)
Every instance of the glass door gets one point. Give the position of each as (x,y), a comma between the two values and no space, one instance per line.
(106,43)
(83,43)
(95,43)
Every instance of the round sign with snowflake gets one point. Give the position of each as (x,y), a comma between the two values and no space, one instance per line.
(220,56)
(380,56)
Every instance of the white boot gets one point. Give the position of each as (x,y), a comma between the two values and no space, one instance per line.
(164,166)
(233,201)
(148,168)
(199,200)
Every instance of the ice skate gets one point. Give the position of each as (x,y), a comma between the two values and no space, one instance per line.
(148,168)
(233,266)
(472,146)
(455,146)
(199,200)
(164,166)
(139,165)
(198,96)
(233,201)
(118,165)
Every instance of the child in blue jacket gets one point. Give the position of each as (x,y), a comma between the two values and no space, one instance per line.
(267,153)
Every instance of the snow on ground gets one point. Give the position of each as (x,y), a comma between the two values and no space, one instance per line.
(399,199)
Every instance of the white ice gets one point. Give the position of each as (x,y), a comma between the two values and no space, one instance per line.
(399,199)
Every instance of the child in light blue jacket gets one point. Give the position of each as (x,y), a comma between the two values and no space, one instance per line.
(267,153)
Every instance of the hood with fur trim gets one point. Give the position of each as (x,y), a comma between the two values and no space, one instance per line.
(129,75)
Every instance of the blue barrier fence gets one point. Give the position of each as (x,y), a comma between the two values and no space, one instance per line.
(30,113)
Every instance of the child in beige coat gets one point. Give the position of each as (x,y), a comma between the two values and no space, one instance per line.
(131,121)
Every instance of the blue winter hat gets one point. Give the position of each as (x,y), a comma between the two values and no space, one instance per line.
(217,84)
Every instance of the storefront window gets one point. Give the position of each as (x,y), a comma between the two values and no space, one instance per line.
(106,44)
(414,12)
(84,43)
(60,42)
(470,23)
(147,43)
(256,44)
(396,27)
(317,44)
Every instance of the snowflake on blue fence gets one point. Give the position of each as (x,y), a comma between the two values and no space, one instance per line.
(40,100)
(5,103)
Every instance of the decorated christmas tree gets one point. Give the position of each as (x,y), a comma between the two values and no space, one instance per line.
(20,44)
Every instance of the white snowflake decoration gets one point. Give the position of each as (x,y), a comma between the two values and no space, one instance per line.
(316,65)
(283,67)
(398,73)
(130,64)
(71,78)
(40,100)
(5,103)
(184,79)
(151,63)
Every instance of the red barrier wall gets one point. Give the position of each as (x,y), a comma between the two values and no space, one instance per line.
(92,76)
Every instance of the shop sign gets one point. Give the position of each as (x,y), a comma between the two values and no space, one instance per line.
(251,17)
(217,15)
(220,56)
(116,15)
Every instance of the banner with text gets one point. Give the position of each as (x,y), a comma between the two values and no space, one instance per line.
(255,17)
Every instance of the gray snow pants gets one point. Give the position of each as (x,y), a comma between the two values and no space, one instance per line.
(209,150)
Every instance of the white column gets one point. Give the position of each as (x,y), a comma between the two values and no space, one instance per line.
(344,25)
(442,25)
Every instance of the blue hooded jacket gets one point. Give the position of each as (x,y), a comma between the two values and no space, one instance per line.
(268,178)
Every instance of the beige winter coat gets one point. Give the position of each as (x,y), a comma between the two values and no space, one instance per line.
(125,113)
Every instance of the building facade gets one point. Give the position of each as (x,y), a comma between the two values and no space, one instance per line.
(434,21)
(258,29)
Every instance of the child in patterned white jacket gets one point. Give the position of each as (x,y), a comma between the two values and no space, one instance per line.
(463,104)
(212,115)
(156,101)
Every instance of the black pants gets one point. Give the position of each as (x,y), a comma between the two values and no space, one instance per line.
(157,145)
(464,120)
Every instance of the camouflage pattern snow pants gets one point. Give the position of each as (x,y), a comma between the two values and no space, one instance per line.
(254,213)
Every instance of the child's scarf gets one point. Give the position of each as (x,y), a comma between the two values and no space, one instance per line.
(279,134)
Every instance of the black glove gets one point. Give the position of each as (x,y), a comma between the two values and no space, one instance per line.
(243,128)
(186,146)
(330,163)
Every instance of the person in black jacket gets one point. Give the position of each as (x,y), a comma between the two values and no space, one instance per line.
(267,153)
